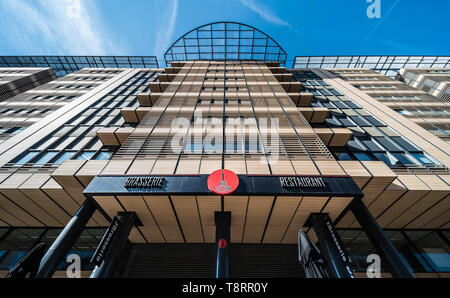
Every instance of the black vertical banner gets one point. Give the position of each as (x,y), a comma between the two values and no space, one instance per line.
(102,248)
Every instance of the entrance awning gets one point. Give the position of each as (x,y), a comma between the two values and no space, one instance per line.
(180,208)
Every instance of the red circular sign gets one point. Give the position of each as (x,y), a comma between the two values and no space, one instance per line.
(223,182)
(223,243)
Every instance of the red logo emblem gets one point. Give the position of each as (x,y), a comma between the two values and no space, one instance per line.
(223,243)
(223,182)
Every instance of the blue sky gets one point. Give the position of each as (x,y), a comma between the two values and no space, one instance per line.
(148,27)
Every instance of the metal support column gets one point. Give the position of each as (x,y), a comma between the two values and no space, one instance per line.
(66,239)
(223,222)
(117,244)
(331,247)
(399,267)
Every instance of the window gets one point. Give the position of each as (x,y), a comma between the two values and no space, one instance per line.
(26,158)
(404,112)
(347,122)
(433,249)
(18,241)
(46,157)
(363,156)
(423,159)
(360,121)
(21,239)
(15,130)
(387,158)
(193,146)
(103,155)
(343,156)
(374,121)
(352,105)
(65,156)
(340,105)
(86,155)
(402,159)
(354,145)
(405,144)
(387,144)
(372,146)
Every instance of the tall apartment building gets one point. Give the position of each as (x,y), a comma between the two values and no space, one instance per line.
(23,110)
(427,111)
(212,165)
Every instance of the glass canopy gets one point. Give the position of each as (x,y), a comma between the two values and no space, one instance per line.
(63,65)
(225,41)
(386,65)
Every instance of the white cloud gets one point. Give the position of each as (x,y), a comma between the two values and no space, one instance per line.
(264,12)
(164,35)
(55,26)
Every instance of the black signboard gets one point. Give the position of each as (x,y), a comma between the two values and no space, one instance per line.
(102,248)
(293,185)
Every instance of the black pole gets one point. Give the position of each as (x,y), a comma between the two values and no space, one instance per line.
(106,269)
(66,239)
(223,222)
(399,267)
(331,247)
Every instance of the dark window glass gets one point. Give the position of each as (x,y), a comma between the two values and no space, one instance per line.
(344,156)
(405,144)
(363,156)
(16,244)
(325,92)
(358,247)
(374,121)
(360,121)
(407,252)
(333,122)
(372,146)
(353,146)
(387,144)
(352,105)
(347,122)
(386,158)
(403,159)
(335,92)
(341,105)
(433,249)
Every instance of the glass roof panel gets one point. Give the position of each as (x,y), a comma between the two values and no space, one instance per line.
(63,65)
(389,65)
(225,41)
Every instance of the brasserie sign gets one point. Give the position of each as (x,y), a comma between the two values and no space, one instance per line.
(263,185)
(144,182)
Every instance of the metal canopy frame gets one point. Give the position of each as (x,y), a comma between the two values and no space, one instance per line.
(388,65)
(63,65)
(225,41)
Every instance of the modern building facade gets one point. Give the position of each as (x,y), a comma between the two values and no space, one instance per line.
(45,95)
(411,101)
(433,81)
(14,81)
(212,165)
